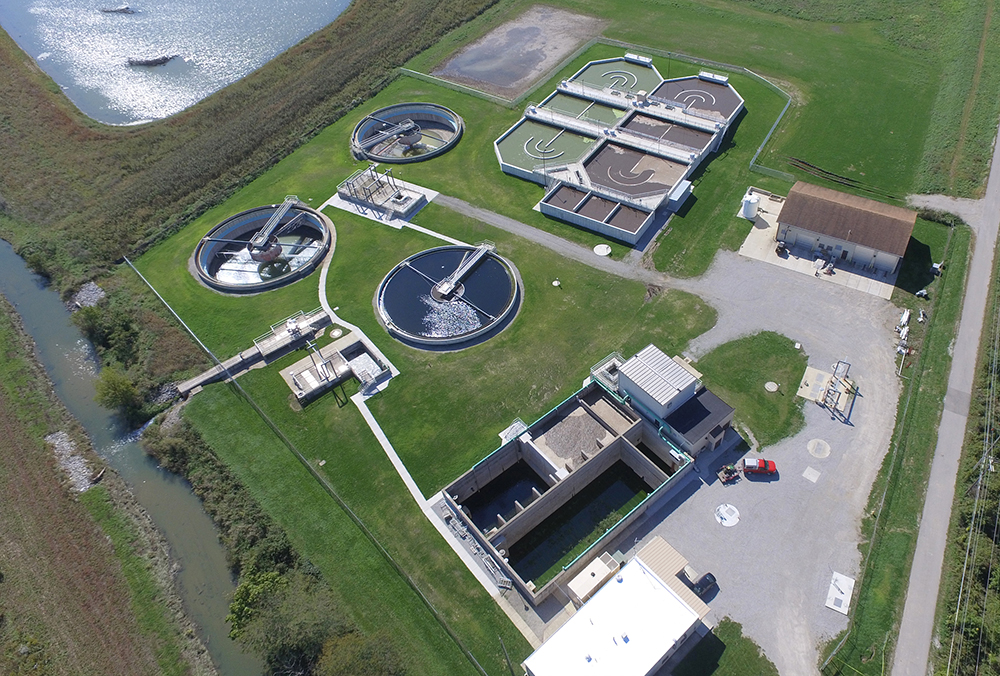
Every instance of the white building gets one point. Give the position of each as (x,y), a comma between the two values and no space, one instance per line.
(631,627)
(845,227)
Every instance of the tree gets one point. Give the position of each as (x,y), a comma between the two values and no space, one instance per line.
(289,626)
(253,591)
(116,391)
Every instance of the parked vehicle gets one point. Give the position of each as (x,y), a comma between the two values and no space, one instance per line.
(759,466)
(704,584)
(728,473)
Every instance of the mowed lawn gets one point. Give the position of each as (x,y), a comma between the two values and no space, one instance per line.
(442,414)
(737,371)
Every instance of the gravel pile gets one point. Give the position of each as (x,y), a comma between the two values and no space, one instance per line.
(88,295)
(74,465)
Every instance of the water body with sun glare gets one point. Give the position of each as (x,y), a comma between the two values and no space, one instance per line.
(87,51)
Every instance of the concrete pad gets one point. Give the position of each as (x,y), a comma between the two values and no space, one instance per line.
(339,202)
(814,384)
(811,474)
(727,515)
(818,448)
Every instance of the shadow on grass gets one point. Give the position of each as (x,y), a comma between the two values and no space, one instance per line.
(703,659)
(916,271)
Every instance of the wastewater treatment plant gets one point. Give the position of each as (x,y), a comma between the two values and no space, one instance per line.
(263,248)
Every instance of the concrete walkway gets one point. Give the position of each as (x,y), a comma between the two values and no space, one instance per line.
(917,627)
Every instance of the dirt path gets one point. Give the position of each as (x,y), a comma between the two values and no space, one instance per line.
(971,100)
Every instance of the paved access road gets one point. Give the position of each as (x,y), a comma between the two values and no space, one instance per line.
(917,627)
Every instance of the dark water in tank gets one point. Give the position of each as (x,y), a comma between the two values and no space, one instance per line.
(498,496)
(488,290)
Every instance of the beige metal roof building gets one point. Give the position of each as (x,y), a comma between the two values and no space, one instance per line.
(845,227)
(657,381)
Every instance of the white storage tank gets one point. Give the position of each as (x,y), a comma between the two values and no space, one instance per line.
(751,204)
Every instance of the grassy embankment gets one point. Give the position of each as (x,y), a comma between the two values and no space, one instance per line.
(75,195)
(967,619)
(957,43)
(81,590)
(896,500)
(873,73)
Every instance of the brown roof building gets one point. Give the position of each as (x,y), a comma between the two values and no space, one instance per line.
(845,227)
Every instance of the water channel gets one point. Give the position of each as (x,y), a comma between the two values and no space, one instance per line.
(205,583)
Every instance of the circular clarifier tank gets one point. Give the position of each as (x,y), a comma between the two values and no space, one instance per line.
(406,132)
(454,296)
(263,248)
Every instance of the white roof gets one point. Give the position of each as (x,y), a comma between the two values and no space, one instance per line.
(591,578)
(656,374)
(624,630)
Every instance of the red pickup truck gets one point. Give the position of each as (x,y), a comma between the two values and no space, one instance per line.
(759,466)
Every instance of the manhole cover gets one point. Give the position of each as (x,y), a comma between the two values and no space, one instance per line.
(602,250)
(727,515)
(771,386)
(818,448)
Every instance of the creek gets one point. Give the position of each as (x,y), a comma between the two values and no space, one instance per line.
(205,582)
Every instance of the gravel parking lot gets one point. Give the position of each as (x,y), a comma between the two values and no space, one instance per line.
(774,566)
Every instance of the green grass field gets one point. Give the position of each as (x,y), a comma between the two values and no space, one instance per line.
(737,372)
(726,652)
(838,123)
(881,89)
(533,364)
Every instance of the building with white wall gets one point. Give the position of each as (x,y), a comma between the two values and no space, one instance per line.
(845,227)
(636,622)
